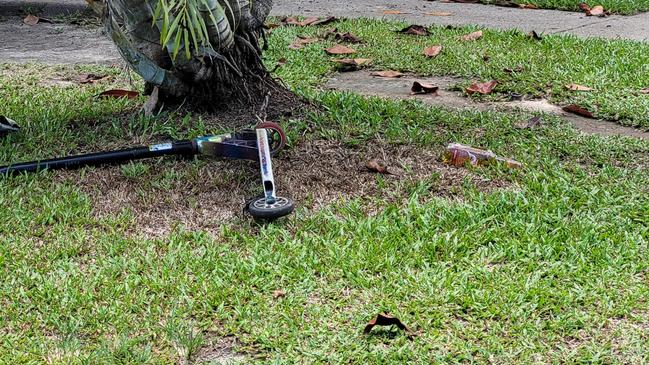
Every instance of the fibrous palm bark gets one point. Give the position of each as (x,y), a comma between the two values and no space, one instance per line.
(227,62)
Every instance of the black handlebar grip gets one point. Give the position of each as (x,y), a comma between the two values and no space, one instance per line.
(186,148)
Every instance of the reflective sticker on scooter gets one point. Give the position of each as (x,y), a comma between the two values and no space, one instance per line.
(160,147)
(261,144)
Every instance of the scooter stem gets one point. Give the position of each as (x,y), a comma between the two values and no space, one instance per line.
(266,166)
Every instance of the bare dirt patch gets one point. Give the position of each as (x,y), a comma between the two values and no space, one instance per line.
(624,336)
(218,350)
(201,196)
(237,113)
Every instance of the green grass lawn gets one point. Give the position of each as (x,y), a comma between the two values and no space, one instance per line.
(549,268)
(623,7)
(616,70)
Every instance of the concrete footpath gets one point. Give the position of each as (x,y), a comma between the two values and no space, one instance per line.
(634,27)
(59,42)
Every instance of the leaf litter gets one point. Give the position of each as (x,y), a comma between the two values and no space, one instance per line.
(340,50)
(577,87)
(418,30)
(387,74)
(483,88)
(473,36)
(432,51)
(352,64)
(579,110)
(419,88)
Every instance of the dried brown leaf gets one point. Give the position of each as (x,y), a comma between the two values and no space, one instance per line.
(472,36)
(528,6)
(577,87)
(152,104)
(415,29)
(384,319)
(290,21)
(597,11)
(439,13)
(576,109)
(301,42)
(376,166)
(483,88)
(117,93)
(347,37)
(323,21)
(423,88)
(432,51)
(389,74)
(393,12)
(340,49)
(645,91)
(90,78)
(279,294)
(349,64)
(353,61)
(31,20)
(308,21)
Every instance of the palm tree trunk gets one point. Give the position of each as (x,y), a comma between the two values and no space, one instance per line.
(227,69)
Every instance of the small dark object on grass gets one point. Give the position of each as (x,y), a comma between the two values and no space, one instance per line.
(415,30)
(530,124)
(348,37)
(7,126)
(515,97)
(518,68)
(384,319)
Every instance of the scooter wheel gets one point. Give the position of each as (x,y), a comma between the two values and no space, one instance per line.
(276,136)
(259,209)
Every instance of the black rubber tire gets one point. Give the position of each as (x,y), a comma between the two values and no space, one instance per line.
(258,208)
